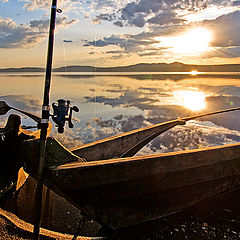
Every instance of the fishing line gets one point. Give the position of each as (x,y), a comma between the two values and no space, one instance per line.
(65,59)
(95,79)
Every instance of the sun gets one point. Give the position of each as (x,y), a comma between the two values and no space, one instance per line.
(193,100)
(193,42)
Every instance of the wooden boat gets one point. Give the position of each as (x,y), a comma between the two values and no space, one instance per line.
(11,139)
(116,189)
(113,187)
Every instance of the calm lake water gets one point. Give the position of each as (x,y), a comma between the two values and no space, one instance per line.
(114,104)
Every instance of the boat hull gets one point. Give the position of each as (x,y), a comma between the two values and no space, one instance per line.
(122,192)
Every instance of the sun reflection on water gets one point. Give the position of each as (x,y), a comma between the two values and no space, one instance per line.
(193,100)
(194,73)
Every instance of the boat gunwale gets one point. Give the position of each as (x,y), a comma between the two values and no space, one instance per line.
(139,158)
(125,134)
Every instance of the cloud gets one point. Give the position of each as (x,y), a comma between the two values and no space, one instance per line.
(26,36)
(123,123)
(70,138)
(236,3)
(43,25)
(128,43)
(142,6)
(133,12)
(225,42)
(137,13)
(193,135)
(224,29)
(115,52)
(14,36)
(145,12)
(198,134)
(118,23)
(140,44)
(23,102)
(227,120)
(28,103)
(138,20)
(36,4)
(88,8)
(128,98)
(157,18)
(165,18)
(222,52)
(158,103)
(209,131)
(107,6)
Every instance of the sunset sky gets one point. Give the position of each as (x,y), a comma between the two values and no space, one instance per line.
(114,33)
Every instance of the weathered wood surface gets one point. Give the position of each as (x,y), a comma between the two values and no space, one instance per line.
(121,192)
(117,170)
(125,191)
(56,154)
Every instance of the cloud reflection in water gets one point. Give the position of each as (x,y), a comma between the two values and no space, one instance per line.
(111,105)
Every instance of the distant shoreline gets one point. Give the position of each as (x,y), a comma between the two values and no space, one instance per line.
(142,67)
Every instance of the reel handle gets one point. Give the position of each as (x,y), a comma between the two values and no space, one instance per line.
(75,109)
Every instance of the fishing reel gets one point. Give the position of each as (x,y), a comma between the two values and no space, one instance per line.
(62,112)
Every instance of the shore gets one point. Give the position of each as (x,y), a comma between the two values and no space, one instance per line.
(11,227)
(185,225)
(213,220)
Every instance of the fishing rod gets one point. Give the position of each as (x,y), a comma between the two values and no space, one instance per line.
(62,112)
(44,124)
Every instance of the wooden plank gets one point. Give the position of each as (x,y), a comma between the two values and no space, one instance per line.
(129,210)
(120,170)
(56,154)
(134,210)
(122,192)
(143,185)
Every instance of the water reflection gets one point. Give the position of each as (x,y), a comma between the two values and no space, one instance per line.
(114,104)
(193,100)
(194,73)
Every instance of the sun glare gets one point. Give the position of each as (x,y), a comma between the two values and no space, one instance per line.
(194,72)
(193,42)
(193,100)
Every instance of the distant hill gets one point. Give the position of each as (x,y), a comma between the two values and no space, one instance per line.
(23,69)
(142,67)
